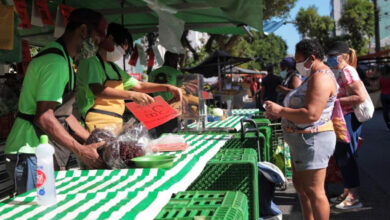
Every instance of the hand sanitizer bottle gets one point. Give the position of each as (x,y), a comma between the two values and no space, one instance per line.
(46,189)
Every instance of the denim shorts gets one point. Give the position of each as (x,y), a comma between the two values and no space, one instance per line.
(311,151)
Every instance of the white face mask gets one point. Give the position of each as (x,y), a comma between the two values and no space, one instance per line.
(305,72)
(283,74)
(116,54)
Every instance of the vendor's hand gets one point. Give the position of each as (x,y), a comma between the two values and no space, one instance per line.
(141,98)
(90,157)
(176,92)
(271,108)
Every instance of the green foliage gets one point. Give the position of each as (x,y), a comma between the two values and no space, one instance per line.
(277,8)
(312,25)
(358,20)
(268,48)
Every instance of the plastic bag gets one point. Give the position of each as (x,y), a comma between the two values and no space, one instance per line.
(339,125)
(118,151)
(170,142)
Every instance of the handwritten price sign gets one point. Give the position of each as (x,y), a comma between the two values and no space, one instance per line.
(154,114)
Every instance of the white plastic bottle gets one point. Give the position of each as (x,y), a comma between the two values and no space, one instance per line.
(46,189)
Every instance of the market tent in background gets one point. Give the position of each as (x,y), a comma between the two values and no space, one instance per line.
(214,64)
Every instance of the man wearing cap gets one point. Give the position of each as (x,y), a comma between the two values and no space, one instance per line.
(45,103)
(291,78)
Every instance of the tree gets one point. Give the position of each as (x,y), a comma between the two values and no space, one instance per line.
(277,8)
(267,48)
(358,21)
(271,8)
(312,25)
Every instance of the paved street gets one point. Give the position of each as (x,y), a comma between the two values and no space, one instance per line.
(374,164)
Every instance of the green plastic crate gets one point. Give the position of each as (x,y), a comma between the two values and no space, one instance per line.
(200,213)
(232,170)
(249,142)
(192,199)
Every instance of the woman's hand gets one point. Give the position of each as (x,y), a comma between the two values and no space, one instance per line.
(272,110)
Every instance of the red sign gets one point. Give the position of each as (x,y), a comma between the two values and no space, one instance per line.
(136,76)
(26,55)
(155,114)
(207,95)
(65,11)
(44,12)
(21,8)
(41,178)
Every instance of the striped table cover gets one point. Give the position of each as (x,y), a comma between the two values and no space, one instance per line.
(118,194)
(245,112)
(230,122)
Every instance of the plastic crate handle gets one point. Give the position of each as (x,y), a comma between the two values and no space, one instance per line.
(253,129)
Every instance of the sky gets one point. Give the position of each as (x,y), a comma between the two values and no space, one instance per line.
(288,31)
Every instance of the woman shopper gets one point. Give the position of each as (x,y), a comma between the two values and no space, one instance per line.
(307,127)
(342,60)
(384,82)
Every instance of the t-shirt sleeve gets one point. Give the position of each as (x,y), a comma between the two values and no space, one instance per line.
(92,71)
(53,78)
(350,75)
(128,81)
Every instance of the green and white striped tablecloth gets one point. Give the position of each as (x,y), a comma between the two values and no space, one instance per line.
(245,112)
(118,194)
(230,122)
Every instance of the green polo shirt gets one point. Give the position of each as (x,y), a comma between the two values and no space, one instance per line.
(165,75)
(45,80)
(90,71)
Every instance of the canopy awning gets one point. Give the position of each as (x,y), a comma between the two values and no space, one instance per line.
(215,16)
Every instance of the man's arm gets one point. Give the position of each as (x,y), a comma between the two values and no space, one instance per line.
(79,131)
(46,120)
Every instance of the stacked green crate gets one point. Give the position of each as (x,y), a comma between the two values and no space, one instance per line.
(232,170)
(207,204)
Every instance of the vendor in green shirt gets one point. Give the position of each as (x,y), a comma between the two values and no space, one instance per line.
(167,74)
(45,103)
(103,86)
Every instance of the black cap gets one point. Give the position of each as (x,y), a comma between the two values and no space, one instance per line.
(337,48)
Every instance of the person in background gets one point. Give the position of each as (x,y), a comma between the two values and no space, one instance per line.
(253,87)
(308,128)
(104,86)
(342,60)
(167,74)
(46,100)
(291,78)
(269,85)
(384,83)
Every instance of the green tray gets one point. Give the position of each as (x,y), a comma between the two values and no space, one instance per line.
(200,213)
(154,161)
(209,199)
(232,170)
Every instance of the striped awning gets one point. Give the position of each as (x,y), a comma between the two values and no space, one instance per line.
(118,194)
(230,122)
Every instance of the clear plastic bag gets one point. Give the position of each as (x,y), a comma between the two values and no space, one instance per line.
(169,142)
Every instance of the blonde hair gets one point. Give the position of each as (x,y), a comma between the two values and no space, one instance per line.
(350,57)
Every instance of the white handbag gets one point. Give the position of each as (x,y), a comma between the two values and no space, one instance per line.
(365,110)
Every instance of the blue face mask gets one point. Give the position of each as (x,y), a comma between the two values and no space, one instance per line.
(332,61)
